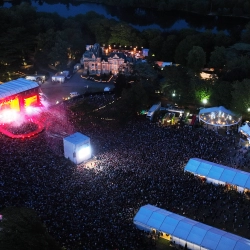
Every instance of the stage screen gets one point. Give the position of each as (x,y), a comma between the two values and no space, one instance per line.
(10,104)
(30,100)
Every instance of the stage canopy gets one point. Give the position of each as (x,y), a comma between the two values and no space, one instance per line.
(16,86)
(219,116)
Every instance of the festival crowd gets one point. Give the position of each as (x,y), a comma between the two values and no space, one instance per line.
(135,164)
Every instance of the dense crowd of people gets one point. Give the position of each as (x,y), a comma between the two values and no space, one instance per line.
(19,129)
(135,164)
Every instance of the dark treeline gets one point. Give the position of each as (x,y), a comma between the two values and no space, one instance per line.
(218,7)
(31,37)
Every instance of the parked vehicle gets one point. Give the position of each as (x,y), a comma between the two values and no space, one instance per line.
(66,74)
(73,94)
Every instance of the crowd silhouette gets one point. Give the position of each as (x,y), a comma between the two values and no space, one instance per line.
(135,164)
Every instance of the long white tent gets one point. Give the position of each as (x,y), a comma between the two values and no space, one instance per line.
(219,174)
(186,231)
(245,129)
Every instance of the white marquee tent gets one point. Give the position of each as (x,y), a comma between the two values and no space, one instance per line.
(185,231)
(219,116)
(219,174)
(245,129)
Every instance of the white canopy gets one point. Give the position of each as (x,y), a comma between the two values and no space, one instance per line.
(192,232)
(245,129)
(219,116)
(218,172)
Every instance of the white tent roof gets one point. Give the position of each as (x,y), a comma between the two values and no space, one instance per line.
(191,231)
(245,129)
(219,116)
(218,172)
(16,86)
(77,138)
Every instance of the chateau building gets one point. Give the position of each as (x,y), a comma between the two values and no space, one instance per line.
(97,60)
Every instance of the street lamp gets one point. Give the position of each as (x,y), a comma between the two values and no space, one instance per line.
(173,96)
(248,109)
(204,102)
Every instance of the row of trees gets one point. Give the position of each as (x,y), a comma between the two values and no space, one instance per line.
(220,7)
(48,38)
(179,85)
(216,7)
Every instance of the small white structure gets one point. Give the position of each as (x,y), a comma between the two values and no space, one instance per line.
(77,148)
(106,89)
(58,78)
(154,109)
(145,52)
(245,129)
(77,67)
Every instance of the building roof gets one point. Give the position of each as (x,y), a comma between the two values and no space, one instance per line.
(218,172)
(208,237)
(219,116)
(117,55)
(16,86)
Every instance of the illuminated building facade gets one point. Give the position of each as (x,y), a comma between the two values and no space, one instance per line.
(19,94)
(97,60)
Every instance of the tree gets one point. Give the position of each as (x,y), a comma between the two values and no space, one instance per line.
(154,46)
(218,58)
(150,34)
(123,34)
(196,59)
(120,83)
(101,28)
(72,34)
(201,89)
(132,102)
(147,75)
(222,39)
(241,96)
(183,48)
(176,79)
(221,94)
(168,48)
(146,71)
(44,42)
(23,230)
(59,53)
(238,68)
